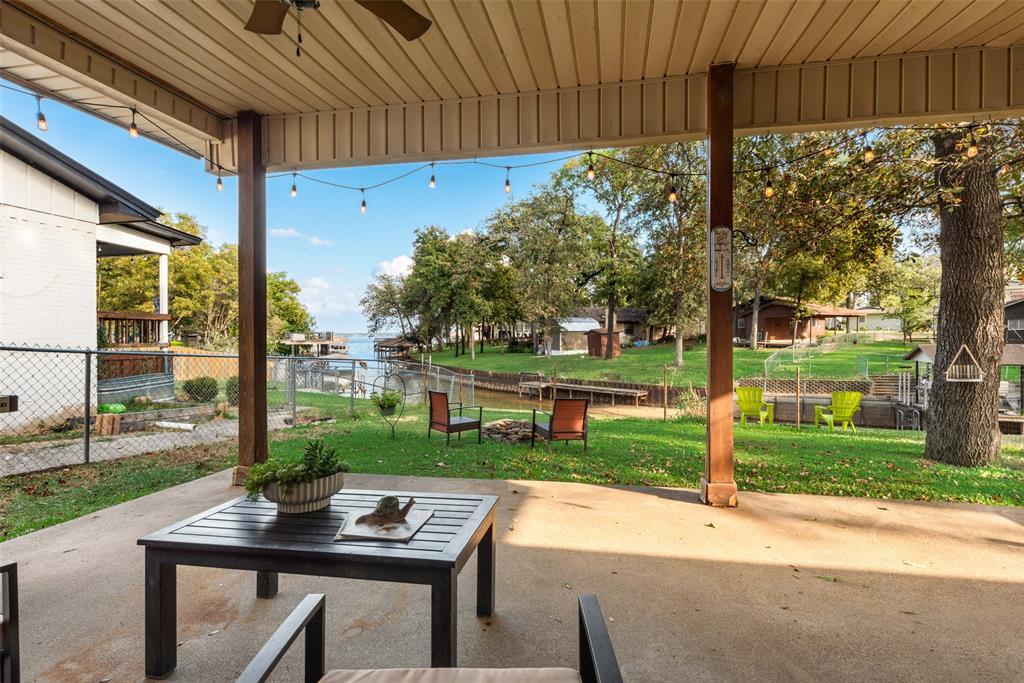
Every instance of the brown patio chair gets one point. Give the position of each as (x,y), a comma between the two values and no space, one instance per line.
(597,662)
(567,421)
(442,420)
(10,666)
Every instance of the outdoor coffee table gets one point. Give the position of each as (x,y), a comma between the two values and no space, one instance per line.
(251,535)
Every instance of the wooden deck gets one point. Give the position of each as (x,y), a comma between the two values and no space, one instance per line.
(538,387)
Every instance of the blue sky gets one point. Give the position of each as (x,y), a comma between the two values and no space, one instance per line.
(319,238)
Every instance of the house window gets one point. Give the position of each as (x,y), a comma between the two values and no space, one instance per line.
(741,323)
(1015,324)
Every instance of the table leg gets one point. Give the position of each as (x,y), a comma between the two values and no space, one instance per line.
(444,620)
(485,574)
(161,615)
(266,584)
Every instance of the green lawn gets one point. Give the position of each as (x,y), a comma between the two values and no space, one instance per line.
(627,451)
(647,364)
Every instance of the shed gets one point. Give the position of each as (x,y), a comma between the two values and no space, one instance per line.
(597,342)
(569,335)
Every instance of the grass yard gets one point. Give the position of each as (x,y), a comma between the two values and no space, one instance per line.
(646,364)
(623,451)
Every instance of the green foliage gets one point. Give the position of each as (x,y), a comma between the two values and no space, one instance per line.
(231,389)
(317,461)
(111,408)
(200,389)
(386,399)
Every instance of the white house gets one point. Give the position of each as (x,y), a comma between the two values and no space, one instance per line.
(878,319)
(56,218)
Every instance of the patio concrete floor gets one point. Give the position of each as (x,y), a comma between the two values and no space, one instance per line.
(786,587)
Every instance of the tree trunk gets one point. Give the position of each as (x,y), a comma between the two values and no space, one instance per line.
(609,345)
(472,345)
(963,421)
(755,312)
(678,362)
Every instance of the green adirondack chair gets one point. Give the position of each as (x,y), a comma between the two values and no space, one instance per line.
(844,405)
(752,405)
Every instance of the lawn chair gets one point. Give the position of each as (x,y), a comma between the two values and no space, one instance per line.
(567,421)
(597,662)
(441,418)
(752,405)
(10,663)
(844,405)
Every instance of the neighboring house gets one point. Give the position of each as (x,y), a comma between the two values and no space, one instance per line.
(878,319)
(775,321)
(569,336)
(1013,290)
(1014,311)
(630,322)
(57,218)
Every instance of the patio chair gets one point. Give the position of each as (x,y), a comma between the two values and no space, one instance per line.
(567,421)
(844,405)
(752,405)
(597,658)
(10,662)
(442,420)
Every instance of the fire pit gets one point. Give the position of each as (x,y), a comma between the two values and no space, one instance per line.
(512,431)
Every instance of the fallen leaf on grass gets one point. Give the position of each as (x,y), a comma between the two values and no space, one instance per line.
(711,524)
(830,579)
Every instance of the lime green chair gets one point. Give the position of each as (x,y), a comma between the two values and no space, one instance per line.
(844,405)
(752,405)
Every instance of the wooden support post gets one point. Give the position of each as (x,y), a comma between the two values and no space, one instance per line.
(252,295)
(664,393)
(798,397)
(717,485)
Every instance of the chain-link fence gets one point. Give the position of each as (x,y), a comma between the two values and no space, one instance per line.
(79,406)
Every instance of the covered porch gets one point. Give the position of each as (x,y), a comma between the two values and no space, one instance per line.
(851,589)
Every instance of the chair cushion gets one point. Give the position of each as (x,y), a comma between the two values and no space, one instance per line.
(452,676)
(463,421)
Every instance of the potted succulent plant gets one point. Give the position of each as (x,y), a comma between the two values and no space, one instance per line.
(386,401)
(302,485)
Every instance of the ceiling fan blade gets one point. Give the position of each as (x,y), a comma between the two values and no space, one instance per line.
(404,19)
(267,17)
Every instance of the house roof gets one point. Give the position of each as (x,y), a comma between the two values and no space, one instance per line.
(577,324)
(116,205)
(626,314)
(1013,354)
(817,310)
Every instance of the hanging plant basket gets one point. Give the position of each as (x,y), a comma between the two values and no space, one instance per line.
(389,395)
(964,367)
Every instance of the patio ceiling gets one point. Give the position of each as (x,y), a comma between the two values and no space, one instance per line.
(497,76)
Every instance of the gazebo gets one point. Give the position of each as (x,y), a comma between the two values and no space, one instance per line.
(490,77)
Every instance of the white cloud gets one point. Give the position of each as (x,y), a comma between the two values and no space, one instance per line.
(285,232)
(321,298)
(316,284)
(400,265)
(317,242)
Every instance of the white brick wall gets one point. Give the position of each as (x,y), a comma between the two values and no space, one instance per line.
(47,288)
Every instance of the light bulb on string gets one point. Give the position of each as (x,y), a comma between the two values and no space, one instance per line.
(972,147)
(295,190)
(220,181)
(769,189)
(133,130)
(590,168)
(869,154)
(362,206)
(40,116)
(433,179)
(508,182)
(672,196)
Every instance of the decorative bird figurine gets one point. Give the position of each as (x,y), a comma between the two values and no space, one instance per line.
(387,512)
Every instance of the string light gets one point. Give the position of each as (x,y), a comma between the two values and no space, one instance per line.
(362,206)
(220,181)
(590,168)
(672,196)
(295,190)
(433,179)
(133,130)
(40,116)
(508,183)
(769,190)
(869,154)
(972,146)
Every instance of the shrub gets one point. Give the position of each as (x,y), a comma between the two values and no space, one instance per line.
(386,399)
(200,389)
(317,461)
(231,389)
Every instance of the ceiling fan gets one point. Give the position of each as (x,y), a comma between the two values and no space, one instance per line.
(268,16)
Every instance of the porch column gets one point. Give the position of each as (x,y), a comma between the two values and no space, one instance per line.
(164,337)
(252,295)
(717,486)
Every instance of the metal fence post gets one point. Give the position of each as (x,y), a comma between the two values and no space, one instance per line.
(87,404)
(293,390)
(352,392)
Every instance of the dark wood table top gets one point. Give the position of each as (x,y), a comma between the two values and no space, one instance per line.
(243,526)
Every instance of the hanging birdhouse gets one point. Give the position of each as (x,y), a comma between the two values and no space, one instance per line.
(964,368)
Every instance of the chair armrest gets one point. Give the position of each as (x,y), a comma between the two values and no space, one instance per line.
(597,658)
(10,658)
(458,405)
(308,617)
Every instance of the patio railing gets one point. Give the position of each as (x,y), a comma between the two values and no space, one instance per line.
(83,405)
(131,328)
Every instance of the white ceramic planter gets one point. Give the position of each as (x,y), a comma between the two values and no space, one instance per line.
(306,497)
